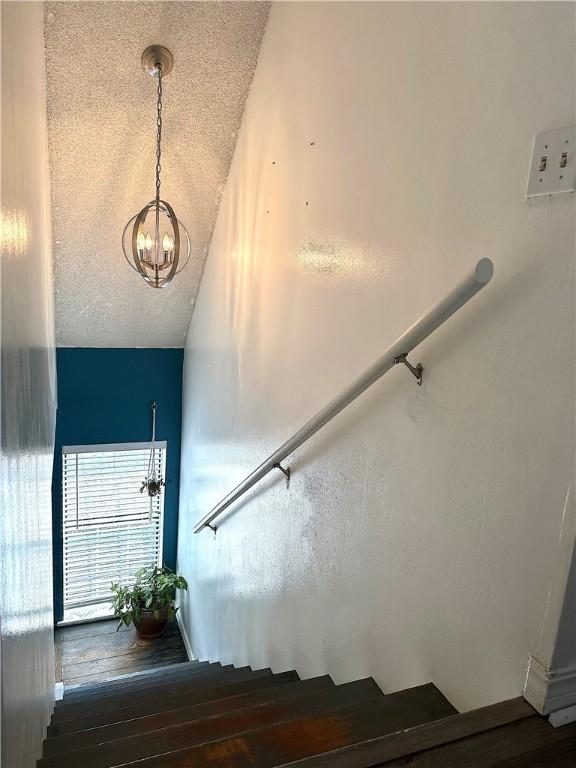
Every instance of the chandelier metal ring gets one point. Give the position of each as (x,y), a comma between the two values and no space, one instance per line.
(185,243)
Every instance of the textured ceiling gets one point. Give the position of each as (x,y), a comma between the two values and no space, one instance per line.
(101,118)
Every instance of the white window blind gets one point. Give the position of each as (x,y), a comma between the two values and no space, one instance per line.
(108,530)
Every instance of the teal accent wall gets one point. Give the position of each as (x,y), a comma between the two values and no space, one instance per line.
(104,396)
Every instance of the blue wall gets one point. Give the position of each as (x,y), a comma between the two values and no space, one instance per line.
(104,396)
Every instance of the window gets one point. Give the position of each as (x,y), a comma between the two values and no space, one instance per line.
(110,529)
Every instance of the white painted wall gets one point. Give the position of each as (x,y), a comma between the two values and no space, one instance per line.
(27,393)
(384,149)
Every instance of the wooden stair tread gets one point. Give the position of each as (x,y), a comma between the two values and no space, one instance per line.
(271,689)
(182,714)
(117,676)
(94,670)
(161,689)
(528,743)
(161,685)
(271,746)
(226,687)
(189,734)
(138,686)
(86,650)
(136,680)
(382,749)
(134,675)
(94,653)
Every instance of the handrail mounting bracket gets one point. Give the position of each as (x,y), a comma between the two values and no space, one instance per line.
(415,371)
(285,472)
(410,340)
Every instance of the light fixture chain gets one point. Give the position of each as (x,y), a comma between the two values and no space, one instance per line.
(158,135)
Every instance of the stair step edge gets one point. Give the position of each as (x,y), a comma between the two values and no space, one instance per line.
(140,685)
(137,674)
(355,715)
(395,746)
(224,682)
(285,683)
(328,700)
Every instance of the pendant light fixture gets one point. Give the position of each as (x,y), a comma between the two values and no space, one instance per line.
(155,242)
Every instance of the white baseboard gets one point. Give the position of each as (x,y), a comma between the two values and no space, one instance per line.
(549,690)
(185,638)
(563,717)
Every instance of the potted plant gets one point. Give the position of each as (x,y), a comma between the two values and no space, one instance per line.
(149,602)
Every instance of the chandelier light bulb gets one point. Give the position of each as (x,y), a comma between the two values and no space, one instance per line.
(155,242)
(167,243)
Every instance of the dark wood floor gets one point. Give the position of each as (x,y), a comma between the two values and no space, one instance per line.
(96,651)
(527,743)
(509,734)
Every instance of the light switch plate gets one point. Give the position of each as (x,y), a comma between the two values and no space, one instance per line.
(553,167)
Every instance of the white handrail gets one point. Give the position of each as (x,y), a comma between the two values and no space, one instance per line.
(422,328)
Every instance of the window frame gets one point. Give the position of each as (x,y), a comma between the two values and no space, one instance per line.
(68,450)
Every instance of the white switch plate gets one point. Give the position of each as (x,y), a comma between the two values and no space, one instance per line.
(553,167)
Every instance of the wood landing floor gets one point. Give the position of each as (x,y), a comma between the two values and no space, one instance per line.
(96,651)
(509,734)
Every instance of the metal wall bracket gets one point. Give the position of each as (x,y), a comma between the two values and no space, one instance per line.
(212,528)
(468,287)
(285,472)
(415,371)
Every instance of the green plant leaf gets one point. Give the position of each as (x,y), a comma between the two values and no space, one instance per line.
(153,588)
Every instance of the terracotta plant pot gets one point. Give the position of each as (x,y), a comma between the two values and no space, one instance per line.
(148,626)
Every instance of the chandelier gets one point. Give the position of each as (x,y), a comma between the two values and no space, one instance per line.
(155,242)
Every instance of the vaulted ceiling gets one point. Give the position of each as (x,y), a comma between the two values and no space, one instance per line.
(101,132)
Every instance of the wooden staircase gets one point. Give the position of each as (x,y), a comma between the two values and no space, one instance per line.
(204,715)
